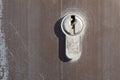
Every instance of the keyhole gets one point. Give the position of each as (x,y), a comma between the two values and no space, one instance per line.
(73,24)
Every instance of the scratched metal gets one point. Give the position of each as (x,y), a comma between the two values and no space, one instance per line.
(35,44)
(3,48)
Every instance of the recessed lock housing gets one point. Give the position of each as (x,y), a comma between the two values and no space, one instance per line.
(72,26)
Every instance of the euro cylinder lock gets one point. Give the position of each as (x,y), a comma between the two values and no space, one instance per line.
(72,26)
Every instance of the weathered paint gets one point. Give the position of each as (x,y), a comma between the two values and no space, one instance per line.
(3,52)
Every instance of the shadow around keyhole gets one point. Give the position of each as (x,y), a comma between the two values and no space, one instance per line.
(61,36)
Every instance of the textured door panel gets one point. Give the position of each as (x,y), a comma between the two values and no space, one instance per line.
(34,48)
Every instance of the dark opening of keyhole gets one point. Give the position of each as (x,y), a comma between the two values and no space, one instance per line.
(73,23)
(73,19)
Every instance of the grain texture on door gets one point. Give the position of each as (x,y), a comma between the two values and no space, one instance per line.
(34,45)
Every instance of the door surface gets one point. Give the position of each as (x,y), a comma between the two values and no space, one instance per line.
(33,48)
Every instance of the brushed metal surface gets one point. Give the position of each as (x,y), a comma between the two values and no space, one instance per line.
(35,45)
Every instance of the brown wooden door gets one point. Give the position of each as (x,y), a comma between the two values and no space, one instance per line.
(34,49)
